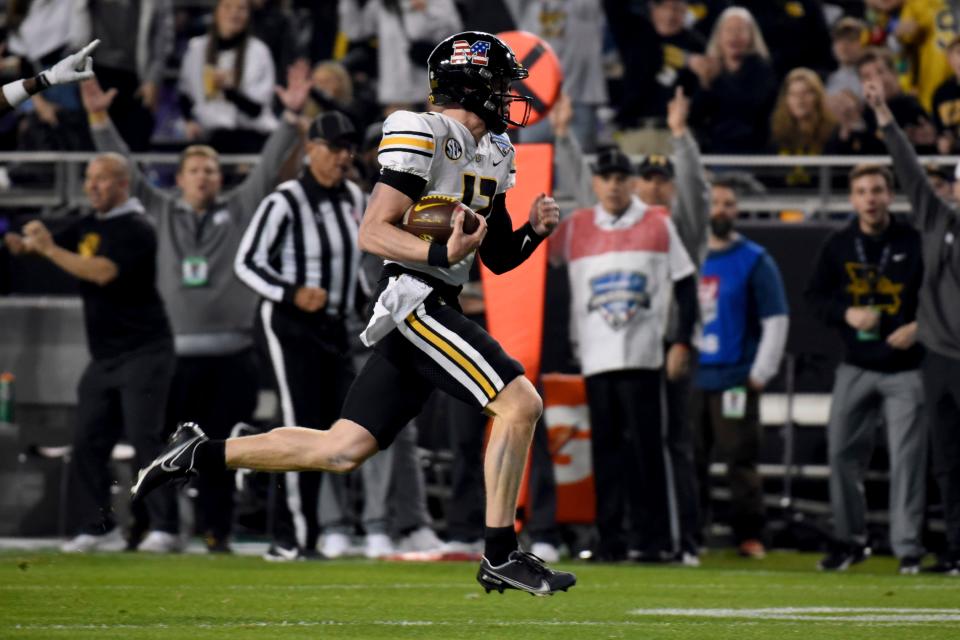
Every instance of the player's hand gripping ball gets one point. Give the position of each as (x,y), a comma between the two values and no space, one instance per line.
(431,218)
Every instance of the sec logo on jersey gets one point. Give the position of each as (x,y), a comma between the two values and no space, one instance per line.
(453,149)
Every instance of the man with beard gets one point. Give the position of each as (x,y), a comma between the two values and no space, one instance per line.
(743,307)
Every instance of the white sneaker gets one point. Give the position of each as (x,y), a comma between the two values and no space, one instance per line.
(688,559)
(422,539)
(335,545)
(160,542)
(545,551)
(85,542)
(459,546)
(378,545)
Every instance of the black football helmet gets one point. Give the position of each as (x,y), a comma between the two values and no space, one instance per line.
(474,69)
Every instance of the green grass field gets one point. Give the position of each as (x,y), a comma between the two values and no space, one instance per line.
(48,595)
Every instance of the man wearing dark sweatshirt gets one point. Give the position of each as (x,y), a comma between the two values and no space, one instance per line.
(865,284)
(938,318)
(112,253)
(211,311)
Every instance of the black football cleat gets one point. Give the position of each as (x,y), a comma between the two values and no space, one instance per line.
(175,461)
(525,572)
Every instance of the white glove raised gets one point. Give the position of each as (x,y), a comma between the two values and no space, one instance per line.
(74,68)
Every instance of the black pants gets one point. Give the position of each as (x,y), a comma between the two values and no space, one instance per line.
(941,382)
(120,396)
(630,462)
(685,530)
(313,371)
(133,120)
(736,442)
(466,507)
(216,392)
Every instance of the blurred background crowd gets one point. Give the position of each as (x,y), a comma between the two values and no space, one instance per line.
(777,76)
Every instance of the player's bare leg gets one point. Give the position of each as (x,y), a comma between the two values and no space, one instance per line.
(504,566)
(341,449)
(515,411)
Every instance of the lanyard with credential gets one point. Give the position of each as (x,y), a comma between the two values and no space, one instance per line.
(871,276)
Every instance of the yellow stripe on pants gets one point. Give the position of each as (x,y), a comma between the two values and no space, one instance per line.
(453,354)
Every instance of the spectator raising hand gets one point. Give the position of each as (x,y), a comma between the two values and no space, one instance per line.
(678,111)
(95,99)
(876,99)
(561,115)
(294,95)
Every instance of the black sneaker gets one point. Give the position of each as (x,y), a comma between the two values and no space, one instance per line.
(945,566)
(216,544)
(175,461)
(525,572)
(909,565)
(279,553)
(843,557)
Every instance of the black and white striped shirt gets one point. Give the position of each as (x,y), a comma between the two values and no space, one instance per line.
(304,235)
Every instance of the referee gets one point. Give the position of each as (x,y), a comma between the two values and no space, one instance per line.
(300,254)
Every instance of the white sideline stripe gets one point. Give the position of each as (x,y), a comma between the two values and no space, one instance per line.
(814,614)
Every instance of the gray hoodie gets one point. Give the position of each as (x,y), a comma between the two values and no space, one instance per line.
(216,318)
(938,317)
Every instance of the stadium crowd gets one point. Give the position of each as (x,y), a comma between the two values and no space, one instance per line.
(306,85)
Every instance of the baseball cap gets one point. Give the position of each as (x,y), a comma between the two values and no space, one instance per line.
(334,127)
(939,171)
(655,163)
(612,160)
(848,27)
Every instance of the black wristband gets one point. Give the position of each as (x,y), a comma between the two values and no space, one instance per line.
(437,255)
(42,82)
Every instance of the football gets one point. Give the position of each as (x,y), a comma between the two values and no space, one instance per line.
(431,219)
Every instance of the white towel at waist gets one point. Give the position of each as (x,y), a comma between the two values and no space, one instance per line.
(402,295)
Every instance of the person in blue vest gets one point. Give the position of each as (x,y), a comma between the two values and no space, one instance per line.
(743,307)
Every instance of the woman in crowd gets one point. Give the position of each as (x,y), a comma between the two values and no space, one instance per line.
(738,86)
(226,83)
(801,124)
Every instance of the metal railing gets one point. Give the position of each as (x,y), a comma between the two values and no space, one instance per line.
(820,198)
(68,167)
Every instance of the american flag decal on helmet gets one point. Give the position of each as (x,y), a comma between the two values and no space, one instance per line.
(464,52)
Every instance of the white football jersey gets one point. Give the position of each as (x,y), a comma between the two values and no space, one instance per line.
(443,152)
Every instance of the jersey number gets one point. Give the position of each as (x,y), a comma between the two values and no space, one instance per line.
(488,189)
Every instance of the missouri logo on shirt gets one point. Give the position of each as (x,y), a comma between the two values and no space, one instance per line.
(618,296)
(869,288)
(89,245)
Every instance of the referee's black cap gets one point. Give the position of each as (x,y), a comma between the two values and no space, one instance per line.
(612,160)
(334,127)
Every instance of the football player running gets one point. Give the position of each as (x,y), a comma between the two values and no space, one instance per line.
(421,339)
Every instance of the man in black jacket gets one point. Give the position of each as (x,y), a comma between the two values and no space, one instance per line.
(865,283)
